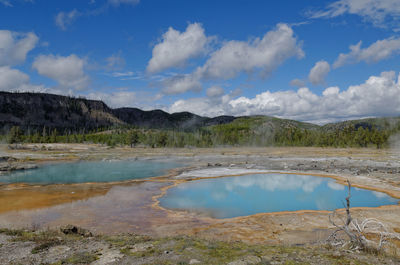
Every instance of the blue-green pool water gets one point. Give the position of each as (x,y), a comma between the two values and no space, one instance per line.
(90,171)
(250,194)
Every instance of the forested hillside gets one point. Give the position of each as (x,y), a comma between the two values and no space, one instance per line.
(42,118)
(34,111)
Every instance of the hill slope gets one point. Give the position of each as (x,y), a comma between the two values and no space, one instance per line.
(387,123)
(33,111)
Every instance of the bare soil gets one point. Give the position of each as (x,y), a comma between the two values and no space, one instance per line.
(54,247)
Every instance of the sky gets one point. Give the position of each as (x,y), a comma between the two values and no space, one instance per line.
(314,61)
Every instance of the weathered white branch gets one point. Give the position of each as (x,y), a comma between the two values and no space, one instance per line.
(357,232)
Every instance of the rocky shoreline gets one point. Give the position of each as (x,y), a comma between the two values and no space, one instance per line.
(8,164)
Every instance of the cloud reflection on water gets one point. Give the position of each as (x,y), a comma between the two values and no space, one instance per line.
(249,194)
(276,182)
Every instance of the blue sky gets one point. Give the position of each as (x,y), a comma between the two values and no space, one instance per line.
(317,61)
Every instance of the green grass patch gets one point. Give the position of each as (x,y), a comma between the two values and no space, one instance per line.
(43,239)
(181,249)
(12,232)
(45,245)
(81,258)
(125,240)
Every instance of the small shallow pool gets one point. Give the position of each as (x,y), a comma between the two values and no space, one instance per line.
(261,193)
(91,171)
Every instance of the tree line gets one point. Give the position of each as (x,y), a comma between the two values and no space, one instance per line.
(212,136)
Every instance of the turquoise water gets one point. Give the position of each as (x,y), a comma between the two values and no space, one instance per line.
(90,171)
(246,195)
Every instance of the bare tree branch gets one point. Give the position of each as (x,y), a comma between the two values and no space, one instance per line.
(357,232)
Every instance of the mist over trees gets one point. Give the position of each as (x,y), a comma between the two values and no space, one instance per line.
(243,132)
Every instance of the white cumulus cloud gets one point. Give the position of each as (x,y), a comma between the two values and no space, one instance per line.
(264,54)
(13,80)
(200,106)
(215,91)
(377,96)
(177,47)
(116,99)
(318,72)
(379,50)
(15,46)
(181,83)
(233,57)
(297,83)
(67,71)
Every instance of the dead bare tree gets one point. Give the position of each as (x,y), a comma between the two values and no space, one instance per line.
(357,232)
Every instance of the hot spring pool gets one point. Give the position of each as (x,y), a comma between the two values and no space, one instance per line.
(261,193)
(90,171)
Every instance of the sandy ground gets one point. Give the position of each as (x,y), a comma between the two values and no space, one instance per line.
(133,206)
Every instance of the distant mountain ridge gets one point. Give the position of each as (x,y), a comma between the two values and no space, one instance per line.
(162,119)
(386,123)
(37,110)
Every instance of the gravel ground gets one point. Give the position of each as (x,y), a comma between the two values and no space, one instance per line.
(53,247)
